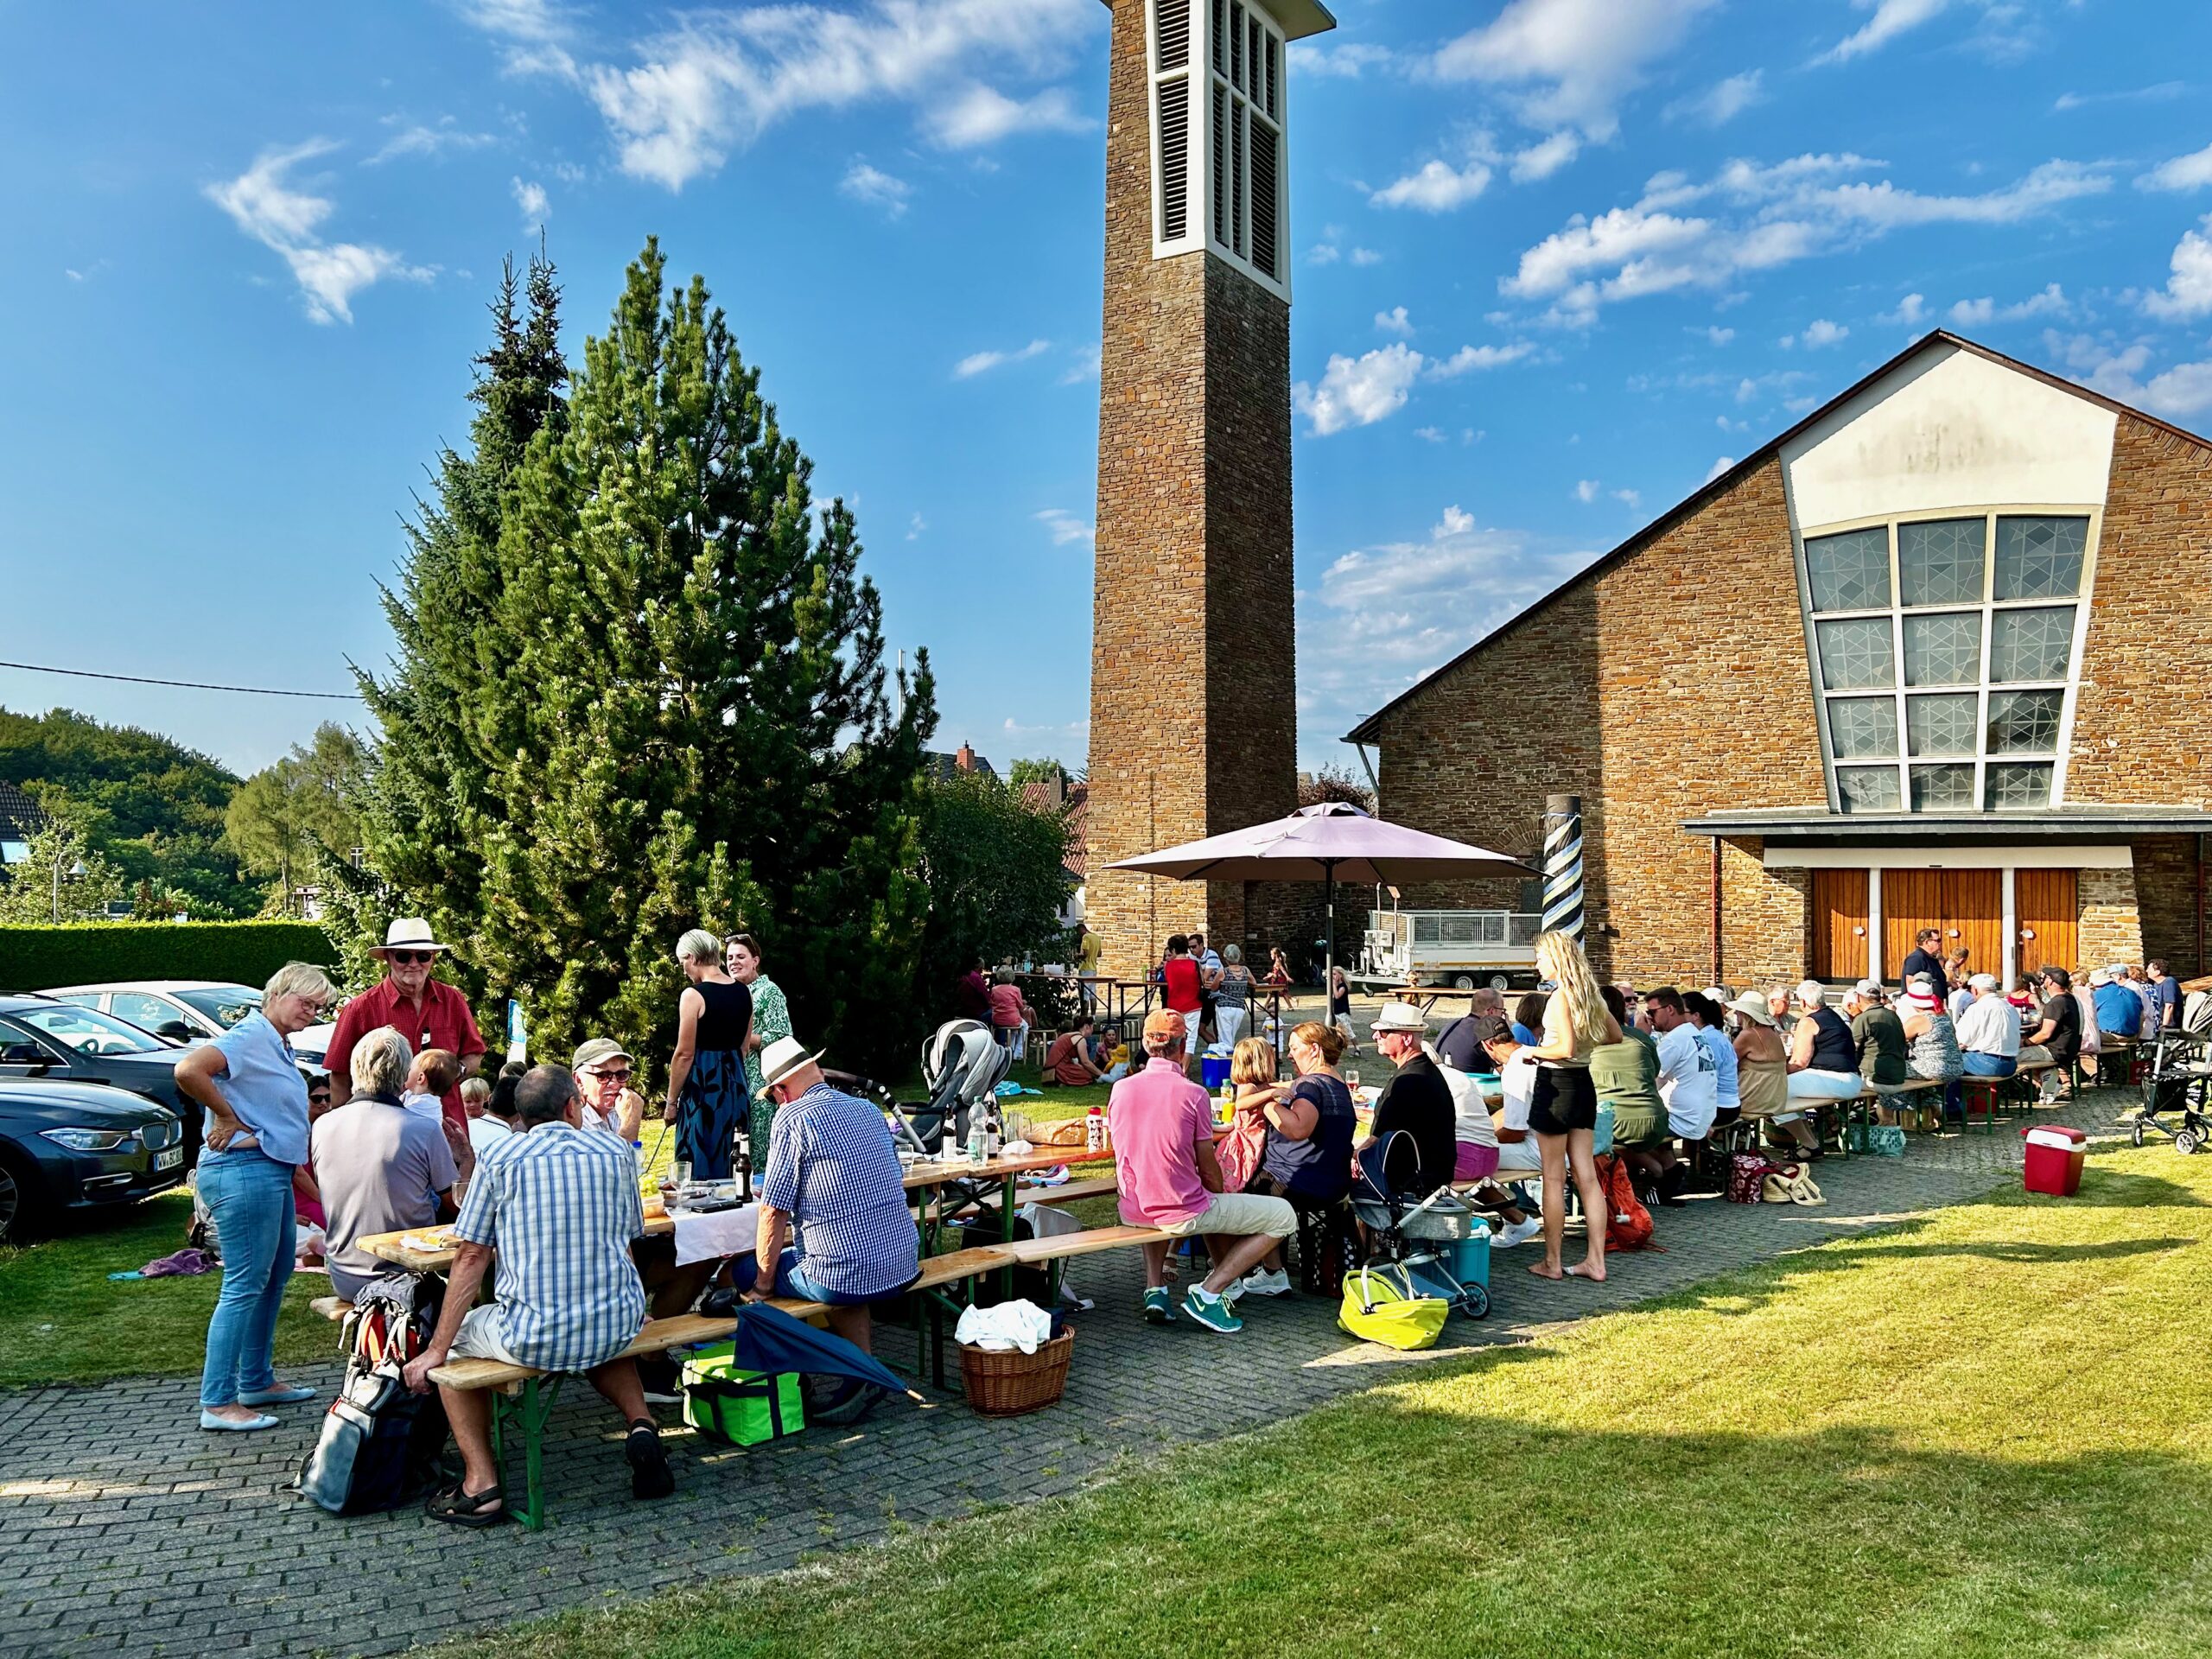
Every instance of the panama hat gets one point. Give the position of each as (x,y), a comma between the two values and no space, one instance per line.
(1398,1016)
(782,1058)
(1752,1005)
(407,933)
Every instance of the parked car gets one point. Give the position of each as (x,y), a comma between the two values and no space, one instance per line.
(68,1146)
(63,1042)
(179,1010)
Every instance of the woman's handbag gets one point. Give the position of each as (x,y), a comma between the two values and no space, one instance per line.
(1380,1305)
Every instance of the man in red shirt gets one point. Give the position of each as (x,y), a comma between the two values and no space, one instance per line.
(428,1012)
(1180,990)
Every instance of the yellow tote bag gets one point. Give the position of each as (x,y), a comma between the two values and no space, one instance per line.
(1378,1307)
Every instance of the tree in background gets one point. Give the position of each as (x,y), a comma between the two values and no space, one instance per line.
(429,809)
(150,807)
(62,877)
(1334,784)
(1032,772)
(310,798)
(665,678)
(998,877)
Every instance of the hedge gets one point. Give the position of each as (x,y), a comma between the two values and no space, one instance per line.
(95,953)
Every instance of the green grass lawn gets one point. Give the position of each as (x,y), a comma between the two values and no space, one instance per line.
(1987,1435)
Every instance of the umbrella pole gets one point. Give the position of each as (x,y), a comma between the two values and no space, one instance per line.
(1328,934)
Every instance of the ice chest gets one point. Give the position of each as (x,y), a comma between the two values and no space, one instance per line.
(738,1406)
(1213,1071)
(1469,1258)
(2054,1160)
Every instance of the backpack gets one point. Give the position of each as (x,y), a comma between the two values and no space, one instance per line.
(380,1446)
(1747,1173)
(1628,1223)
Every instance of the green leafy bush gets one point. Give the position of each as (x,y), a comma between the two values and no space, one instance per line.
(33,958)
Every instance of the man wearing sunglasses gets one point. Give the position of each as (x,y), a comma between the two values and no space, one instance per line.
(601,1069)
(427,1012)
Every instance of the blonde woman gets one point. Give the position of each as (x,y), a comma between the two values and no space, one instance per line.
(706,1097)
(1563,1112)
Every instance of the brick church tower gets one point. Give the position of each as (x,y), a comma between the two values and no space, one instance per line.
(1193,687)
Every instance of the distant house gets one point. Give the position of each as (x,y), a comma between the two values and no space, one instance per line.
(21,817)
(962,761)
(1050,794)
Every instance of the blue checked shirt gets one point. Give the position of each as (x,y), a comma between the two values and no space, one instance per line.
(833,1168)
(561,1207)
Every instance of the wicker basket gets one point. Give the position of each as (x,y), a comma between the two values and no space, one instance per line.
(1070,1134)
(1007,1384)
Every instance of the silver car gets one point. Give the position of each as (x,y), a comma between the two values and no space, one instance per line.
(179,1010)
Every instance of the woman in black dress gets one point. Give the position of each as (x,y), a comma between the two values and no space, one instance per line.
(707,1095)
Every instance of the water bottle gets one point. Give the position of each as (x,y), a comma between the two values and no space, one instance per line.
(1094,1131)
(976,1135)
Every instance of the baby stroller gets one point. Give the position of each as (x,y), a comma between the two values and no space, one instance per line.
(2181,1074)
(1420,1234)
(961,1066)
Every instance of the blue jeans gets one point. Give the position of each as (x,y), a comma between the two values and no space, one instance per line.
(1989,1066)
(249,1196)
(792,1280)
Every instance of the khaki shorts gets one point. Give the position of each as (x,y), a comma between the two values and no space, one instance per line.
(1243,1213)
(479,1337)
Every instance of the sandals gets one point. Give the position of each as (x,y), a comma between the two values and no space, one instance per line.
(650,1474)
(461,1508)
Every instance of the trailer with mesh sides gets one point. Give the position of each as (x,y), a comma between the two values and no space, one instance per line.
(1456,949)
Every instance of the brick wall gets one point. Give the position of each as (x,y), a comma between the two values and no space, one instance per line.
(1672,684)
(1762,917)
(2166,886)
(2111,930)
(1194,697)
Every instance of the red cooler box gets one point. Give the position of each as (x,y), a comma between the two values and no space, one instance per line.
(2055,1160)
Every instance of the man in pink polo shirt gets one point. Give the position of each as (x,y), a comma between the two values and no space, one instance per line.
(1162,1126)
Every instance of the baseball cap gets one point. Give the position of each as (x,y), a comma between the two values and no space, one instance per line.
(597,1051)
(1163,1023)
(1868,988)
(1493,1028)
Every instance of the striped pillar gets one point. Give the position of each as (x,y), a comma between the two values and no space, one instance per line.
(1563,865)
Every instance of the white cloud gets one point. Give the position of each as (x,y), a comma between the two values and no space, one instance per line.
(1429,434)
(1347,61)
(2183,390)
(713,81)
(2190,172)
(2050,303)
(1470,358)
(1323,253)
(531,198)
(1820,332)
(1913,310)
(1720,336)
(1631,498)
(537,34)
(1724,101)
(1892,18)
(1575,59)
(1542,160)
(420,140)
(871,185)
(1065,527)
(1760,217)
(2188,292)
(1365,257)
(915,526)
(1587,491)
(977,363)
(1358,392)
(1718,468)
(1084,367)
(262,203)
(1436,187)
(1455,522)
(2157,92)
(1395,322)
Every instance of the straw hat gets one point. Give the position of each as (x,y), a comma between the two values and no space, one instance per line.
(782,1058)
(407,933)
(1752,1005)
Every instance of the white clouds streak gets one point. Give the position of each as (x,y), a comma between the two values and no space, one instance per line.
(977,363)
(876,187)
(262,203)
(2190,172)
(1395,322)
(420,140)
(1724,101)
(2188,292)
(2050,303)
(1573,58)
(1066,527)
(1436,187)
(1892,18)
(1468,358)
(531,198)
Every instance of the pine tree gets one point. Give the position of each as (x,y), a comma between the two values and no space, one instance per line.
(677,693)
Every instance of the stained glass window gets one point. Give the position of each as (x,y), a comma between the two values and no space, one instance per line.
(1943,725)
(1864,728)
(1849,572)
(2025,722)
(1942,563)
(1943,649)
(1867,789)
(1943,789)
(2012,787)
(2040,558)
(2033,645)
(1855,656)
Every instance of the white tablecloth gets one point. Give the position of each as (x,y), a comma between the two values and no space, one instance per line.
(709,1237)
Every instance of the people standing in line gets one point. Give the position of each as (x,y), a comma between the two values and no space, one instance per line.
(1989,1031)
(1563,1111)
(772,1022)
(1232,997)
(1011,1014)
(1923,961)
(254,1145)
(426,1011)
(1763,1073)
(709,1099)
(1823,1054)
(1181,994)
(385,1166)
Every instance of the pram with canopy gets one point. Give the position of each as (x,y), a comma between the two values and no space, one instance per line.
(1420,1234)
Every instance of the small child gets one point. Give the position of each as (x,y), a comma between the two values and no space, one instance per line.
(1252,1074)
(429,1080)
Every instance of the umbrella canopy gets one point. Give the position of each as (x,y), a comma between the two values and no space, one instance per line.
(1331,843)
(771,1341)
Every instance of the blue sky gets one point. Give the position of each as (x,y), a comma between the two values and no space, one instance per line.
(1557,258)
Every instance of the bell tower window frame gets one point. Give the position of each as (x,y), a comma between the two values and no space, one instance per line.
(1219,88)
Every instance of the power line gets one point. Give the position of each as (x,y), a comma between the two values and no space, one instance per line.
(186,685)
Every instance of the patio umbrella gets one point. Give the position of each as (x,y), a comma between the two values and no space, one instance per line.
(1331,843)
(771,1341)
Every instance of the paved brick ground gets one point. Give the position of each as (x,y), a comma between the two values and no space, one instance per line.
(122,1525)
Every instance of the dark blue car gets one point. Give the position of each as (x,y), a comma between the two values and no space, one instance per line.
(75,1146)
(44,1041)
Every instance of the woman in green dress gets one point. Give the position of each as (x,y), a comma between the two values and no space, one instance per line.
(771,1019)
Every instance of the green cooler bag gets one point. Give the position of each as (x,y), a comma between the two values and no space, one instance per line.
(737,1407)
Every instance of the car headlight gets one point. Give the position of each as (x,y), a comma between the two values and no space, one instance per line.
(91,1140)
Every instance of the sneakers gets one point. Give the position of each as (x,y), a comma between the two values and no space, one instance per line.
(650,1474)
(662,1379)
(1158,1308)
(1260,1283)
(1212,1312)
(1516,1232)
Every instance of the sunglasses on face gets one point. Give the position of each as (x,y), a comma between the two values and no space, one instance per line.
(317,1096)
(623,1075)
(411,958)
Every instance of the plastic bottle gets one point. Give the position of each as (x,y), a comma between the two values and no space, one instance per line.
(1094,1131)
(977,1133)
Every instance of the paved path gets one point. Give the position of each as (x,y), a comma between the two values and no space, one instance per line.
(122,1527)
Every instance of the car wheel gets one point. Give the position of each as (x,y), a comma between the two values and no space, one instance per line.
(18,1202)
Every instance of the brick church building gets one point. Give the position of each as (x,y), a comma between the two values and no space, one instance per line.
(1940,655)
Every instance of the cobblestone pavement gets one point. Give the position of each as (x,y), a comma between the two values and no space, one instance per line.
(121,1524)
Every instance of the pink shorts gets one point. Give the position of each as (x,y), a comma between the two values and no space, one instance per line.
(1474,1163)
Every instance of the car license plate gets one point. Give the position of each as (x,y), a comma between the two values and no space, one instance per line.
(168,1158)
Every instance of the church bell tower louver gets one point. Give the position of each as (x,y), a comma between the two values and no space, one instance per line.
(1193,687)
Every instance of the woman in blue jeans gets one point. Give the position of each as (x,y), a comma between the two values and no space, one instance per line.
(255,1141)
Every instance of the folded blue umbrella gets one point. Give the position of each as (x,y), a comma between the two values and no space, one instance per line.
(771,1341)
